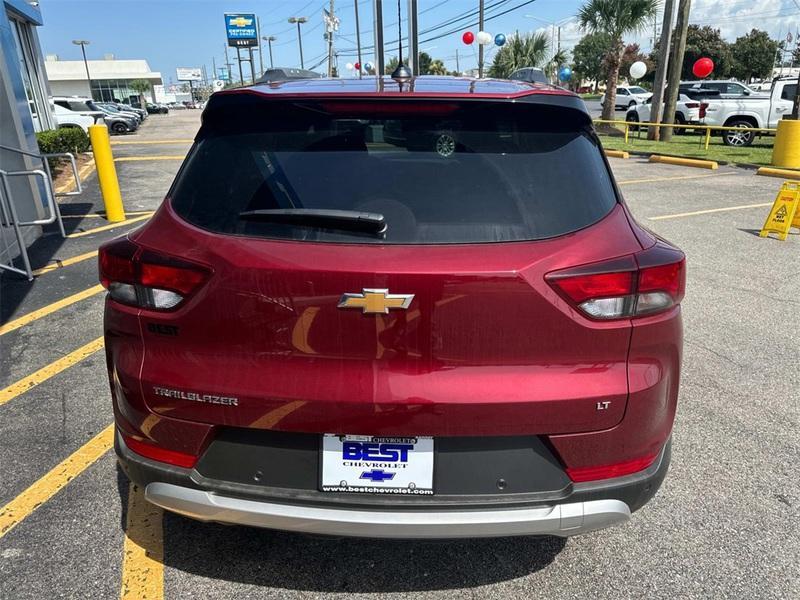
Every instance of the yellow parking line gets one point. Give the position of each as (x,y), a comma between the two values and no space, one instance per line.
(48,371)
(49,309)
(143,551)
(45,488)
(709,211)
(83,173)
(137,142)
(103,215)
(109,226)
(65,263)
(155,157)
(654,179)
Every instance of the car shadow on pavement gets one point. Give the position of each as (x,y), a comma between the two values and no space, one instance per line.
(310,563)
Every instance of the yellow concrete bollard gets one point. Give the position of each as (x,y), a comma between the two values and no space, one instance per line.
(786,151)
(106,173)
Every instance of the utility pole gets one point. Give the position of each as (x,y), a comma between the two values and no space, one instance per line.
(657,101)
(458,68)
(228,64)
(413,36)
(329,30)
(377,29)
(260,47)
(675,66)
(358,39)
(480,46)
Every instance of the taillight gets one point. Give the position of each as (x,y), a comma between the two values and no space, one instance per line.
(597,473)
(703,107)
(172,457)
(143,278)
(692,104)
(637,285)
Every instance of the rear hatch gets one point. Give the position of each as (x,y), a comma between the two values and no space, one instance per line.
(421,307)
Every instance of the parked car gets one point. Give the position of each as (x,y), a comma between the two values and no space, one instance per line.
(434,348)
(69,118)
(529,74)
(119,122)
(628,97)
(128,108)
(687,111)
(113,108)
(759,111)
(155,108)
(79,104)
(728,88)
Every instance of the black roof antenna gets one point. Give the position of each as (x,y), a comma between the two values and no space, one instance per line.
(402,74)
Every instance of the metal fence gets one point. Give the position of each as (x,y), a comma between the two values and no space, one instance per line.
(705,141)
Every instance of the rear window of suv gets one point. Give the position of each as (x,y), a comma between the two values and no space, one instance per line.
(438,172)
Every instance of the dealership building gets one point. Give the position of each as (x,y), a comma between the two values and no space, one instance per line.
(110,78)
(24,110)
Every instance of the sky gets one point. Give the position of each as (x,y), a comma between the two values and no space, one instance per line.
(191,33)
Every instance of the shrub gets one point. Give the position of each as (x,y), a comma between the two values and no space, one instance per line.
(64,139)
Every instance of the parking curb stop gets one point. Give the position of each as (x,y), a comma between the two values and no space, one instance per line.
(685,162)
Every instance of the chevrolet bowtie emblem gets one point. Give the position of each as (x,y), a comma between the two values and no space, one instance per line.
(375,301)
(241,22)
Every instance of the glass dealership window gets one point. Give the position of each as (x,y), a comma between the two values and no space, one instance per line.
(29,72)
(114,90)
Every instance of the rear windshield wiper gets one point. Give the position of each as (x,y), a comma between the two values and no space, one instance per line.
(347,220)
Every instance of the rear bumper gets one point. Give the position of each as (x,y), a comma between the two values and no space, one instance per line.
(560,519)
(578,509)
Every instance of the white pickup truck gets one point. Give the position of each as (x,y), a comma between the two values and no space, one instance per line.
(756,111)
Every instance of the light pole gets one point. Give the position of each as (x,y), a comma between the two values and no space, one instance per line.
(299,21)
(83,44)
(269,39)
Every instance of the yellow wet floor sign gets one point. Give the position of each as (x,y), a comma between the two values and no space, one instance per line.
(785,212)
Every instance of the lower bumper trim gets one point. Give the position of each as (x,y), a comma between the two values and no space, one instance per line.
(559,519)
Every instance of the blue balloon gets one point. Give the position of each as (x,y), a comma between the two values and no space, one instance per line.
(565,74)
(368,66)
(499,39)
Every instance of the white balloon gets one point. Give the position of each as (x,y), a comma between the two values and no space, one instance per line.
(638,69)
(349,66)
(484,38)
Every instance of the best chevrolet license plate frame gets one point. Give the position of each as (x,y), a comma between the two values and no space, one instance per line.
(400,465)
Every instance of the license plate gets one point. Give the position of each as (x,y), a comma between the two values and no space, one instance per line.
(377,465)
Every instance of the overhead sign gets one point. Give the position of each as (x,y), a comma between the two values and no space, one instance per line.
(241,29)
(223,74)
(785,212)
(189,74)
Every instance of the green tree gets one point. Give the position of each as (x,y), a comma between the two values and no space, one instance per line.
(587,57)
(753,55)
(141,86)
(631,55)
(706,42)
(530,50)
(437,68)
(425,61)
(615,18)
(390,65)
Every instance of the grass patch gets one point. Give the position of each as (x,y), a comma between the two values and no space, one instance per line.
(591,96)
(692,146)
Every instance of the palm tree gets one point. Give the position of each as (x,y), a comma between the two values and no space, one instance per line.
(615,18)
(437,68)
(529,50)
(141,86)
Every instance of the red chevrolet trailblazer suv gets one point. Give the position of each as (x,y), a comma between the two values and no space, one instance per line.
(384,309)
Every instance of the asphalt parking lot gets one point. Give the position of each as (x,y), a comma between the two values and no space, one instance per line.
(725,523)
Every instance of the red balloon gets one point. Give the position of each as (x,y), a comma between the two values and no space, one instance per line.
(468,37)
(357,66)
(703,67)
